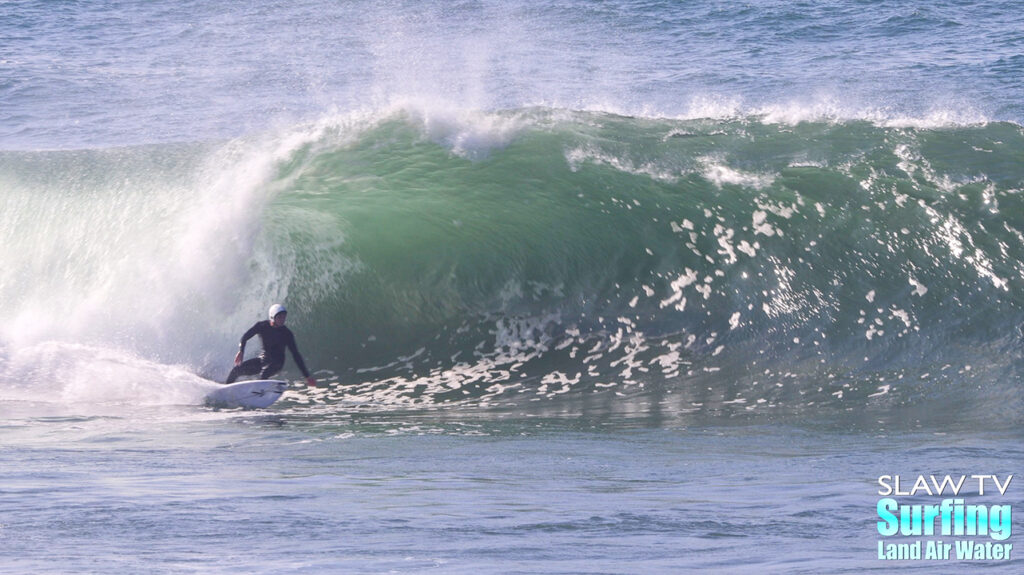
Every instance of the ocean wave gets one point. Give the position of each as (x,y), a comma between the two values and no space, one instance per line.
(432,257)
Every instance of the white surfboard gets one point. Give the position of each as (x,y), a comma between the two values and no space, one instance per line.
(256,394)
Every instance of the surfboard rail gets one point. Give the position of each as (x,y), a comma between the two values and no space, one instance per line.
(254,394)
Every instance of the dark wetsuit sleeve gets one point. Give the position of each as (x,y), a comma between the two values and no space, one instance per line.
(247,336)
(297,356)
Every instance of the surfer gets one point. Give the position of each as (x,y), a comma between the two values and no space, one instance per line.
(275,338)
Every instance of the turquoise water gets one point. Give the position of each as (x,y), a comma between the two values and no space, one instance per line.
(617,287)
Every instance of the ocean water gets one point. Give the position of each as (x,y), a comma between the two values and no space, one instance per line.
(589,287)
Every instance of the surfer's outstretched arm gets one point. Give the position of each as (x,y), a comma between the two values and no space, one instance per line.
(310,380)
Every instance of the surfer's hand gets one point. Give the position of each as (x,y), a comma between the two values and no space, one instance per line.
(238,358)
(311,381)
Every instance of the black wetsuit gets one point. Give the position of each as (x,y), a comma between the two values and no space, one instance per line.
(271,359)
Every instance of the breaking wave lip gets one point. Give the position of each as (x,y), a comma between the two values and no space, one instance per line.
(937,117)
(822,108)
